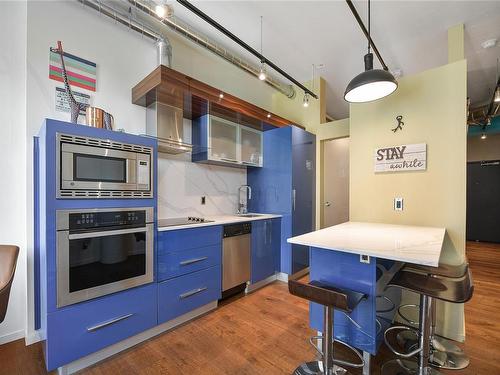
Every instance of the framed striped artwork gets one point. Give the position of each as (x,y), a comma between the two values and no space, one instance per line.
(81,72)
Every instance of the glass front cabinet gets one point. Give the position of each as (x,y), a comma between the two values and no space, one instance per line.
(220,141)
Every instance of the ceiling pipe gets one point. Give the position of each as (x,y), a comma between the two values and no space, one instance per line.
(367,34)
(482,116)
(244,45)
(186,31)
(126,20)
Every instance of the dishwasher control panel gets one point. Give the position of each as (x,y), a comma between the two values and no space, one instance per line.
(237,229)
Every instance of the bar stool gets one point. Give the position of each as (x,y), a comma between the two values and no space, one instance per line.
(445,353)
(455,290)
(331,298)
(8,260)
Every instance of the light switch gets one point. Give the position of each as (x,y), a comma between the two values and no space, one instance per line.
(398,204)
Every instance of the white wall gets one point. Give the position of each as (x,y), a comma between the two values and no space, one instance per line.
(483,149)
(13,156)
(123,58)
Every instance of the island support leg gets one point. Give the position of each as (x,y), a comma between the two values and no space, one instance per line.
(366,367)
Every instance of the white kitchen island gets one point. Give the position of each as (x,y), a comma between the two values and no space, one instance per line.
(363,257)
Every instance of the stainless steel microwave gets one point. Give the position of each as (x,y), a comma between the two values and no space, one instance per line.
(102,168)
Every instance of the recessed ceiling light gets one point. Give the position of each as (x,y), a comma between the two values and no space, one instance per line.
(221,95)
(268,115)
(490,43)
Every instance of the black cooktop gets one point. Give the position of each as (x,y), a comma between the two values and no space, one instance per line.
(182,221)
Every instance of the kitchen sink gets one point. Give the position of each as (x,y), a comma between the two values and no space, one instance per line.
(250,215)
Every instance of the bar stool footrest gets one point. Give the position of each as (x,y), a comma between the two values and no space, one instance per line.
(405,367)
(316,368)
(394,350)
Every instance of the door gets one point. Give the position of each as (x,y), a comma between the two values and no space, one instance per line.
(251,146)
(303,192)
(335,202)
(223,140)
(483,201)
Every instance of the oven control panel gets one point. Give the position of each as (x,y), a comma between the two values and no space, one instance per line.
(87,220)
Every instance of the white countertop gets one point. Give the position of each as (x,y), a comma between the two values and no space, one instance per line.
(405,243)
(218,220)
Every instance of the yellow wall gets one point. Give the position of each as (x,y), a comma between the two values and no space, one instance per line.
(433,104)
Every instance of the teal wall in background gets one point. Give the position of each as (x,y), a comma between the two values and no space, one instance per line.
(494,128)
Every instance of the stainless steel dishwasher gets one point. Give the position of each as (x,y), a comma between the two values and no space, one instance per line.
(235,258)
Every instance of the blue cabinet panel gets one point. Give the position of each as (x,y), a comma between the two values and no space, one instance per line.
(87,327)
(186,261)
(286,185)
(186,293)
(183,239)
(265,240)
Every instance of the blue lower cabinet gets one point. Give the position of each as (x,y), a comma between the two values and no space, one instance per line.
(186,261)
(183,239)
(265,245)
(84,328)
(183,294)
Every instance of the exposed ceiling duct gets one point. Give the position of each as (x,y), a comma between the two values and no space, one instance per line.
(182,28)
(482,115)
(130,19)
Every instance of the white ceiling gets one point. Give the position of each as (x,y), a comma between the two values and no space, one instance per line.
(411,36)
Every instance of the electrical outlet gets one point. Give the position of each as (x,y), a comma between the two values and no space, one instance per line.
(398,204)
(364,259)
(203,200)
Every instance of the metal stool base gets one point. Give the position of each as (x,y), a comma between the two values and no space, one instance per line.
(449,361)
(405,367)
(316,368)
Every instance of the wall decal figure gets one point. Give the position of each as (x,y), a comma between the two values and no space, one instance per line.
(400,124)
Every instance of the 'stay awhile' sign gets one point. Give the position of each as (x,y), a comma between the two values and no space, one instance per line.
(401,158)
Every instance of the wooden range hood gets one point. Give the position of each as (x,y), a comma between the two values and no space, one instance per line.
(171,87)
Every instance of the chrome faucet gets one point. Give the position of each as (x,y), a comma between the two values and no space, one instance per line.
(243,205)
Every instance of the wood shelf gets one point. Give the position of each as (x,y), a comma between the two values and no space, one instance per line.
(171,87)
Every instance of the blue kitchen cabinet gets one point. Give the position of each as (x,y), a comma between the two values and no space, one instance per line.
(189,270)
(265,248)
(285,185)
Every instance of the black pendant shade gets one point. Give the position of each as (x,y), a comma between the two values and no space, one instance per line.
(370,85)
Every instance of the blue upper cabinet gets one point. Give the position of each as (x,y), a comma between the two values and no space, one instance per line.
(265,248)
(221,141)
(286,186)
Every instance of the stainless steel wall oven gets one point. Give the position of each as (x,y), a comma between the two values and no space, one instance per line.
(101,168)
(102,251)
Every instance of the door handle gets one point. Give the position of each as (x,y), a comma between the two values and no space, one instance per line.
(192,292)
(294,196)
(108,323)
(328,204)
(191,261)
(106,233)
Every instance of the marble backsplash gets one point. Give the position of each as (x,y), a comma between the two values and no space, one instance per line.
(181,184)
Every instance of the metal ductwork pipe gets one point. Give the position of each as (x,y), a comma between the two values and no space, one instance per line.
(163,44)
(202,40)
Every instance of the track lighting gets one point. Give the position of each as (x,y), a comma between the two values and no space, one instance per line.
(305,101)
(163,10)
(483,136)
(262,72)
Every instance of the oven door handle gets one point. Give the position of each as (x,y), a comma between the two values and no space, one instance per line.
(78,236)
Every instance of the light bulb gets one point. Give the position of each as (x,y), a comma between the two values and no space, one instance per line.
(221,95)
(483,136)
(305,101)
(262,73)
(160,10)
(268,115)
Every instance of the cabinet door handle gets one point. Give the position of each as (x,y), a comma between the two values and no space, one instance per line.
(192,292)
(191,261)
(108,323)
(294,196)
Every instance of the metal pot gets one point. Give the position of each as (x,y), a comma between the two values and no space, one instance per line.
(98,118)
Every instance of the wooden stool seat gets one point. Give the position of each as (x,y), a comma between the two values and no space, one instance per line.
(8,260)
(340,299)
(456,290)
(443,270)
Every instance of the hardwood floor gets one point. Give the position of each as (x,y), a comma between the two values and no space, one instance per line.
(266,333)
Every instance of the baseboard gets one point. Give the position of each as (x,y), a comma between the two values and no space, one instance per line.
(33,337)
(281,276)
(93,358)
(253,287)
(13,336)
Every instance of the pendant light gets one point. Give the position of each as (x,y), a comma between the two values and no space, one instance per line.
(262,71)
(372,84)
(497,95)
